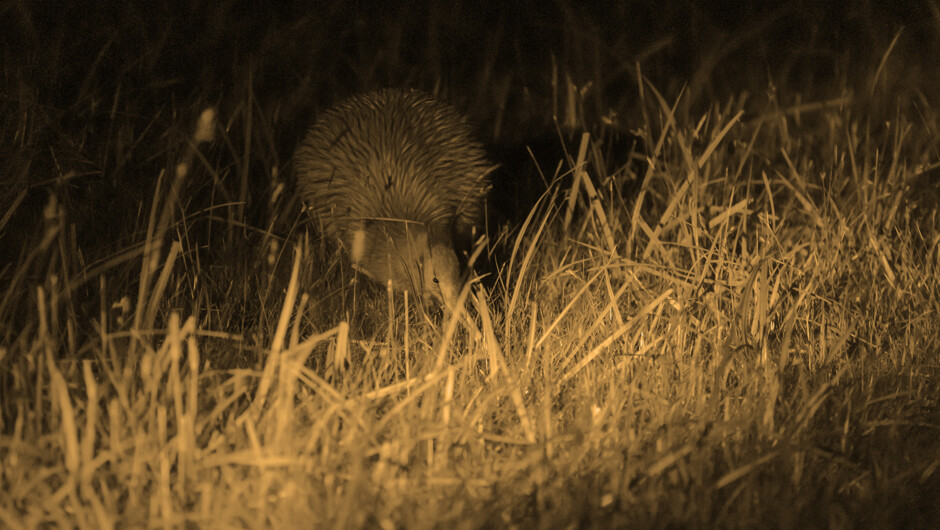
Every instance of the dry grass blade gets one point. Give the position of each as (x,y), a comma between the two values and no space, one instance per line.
(613,337)
(578,176)
(568,307)
(739,473)
(273,358)
(707,153)
(524,267)
(884,61)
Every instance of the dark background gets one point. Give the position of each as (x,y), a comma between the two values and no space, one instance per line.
(98,98)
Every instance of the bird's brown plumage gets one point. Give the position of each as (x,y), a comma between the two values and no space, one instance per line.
(396,177)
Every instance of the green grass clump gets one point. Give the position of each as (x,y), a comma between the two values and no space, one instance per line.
(717,309)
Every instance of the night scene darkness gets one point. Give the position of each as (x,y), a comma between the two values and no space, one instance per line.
(531,264)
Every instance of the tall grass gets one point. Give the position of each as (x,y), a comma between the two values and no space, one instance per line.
(728,321)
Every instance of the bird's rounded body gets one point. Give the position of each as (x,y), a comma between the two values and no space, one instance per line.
(396,178)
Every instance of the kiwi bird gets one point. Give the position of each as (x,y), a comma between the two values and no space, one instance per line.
(396,178)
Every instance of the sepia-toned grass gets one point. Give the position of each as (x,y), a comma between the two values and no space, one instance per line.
(731,321)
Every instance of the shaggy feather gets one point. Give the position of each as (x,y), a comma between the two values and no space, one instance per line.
(397,179)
